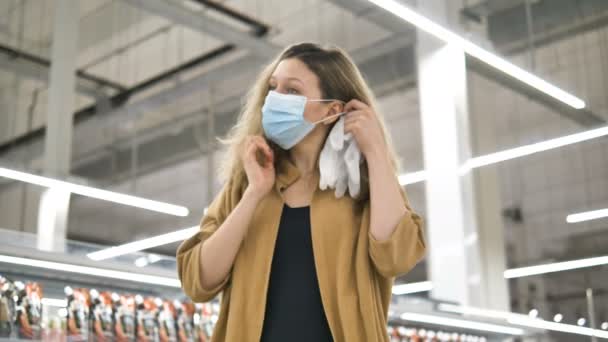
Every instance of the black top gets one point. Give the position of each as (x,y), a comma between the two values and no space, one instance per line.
(294,311)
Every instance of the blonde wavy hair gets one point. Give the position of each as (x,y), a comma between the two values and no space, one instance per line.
(339,78)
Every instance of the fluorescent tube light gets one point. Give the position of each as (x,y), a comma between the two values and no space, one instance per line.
(522,320)
(460,323)
(522,151)
(508,274)
(525,150)
(587,216)
(402,289)
(427,25)
(141,245)
(473,311)
(412,177)
(555,267)
(141,262)
(92,271)
(88,191)
(561,327)
(146,260)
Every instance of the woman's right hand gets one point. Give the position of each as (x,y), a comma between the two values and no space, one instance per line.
(258,161)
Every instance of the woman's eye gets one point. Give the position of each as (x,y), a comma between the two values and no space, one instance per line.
(292,91)
(271,87)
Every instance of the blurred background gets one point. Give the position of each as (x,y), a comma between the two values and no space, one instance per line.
(497,109)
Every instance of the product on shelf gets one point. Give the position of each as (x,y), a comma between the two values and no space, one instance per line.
(146,323)
(200,331)
(28,310)
(185,313)
(123,317)
(166,321)
(206,320)
(100,316)
(78,313)
(91,315)
(7,307)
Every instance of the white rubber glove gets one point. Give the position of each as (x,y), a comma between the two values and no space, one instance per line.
(339,162)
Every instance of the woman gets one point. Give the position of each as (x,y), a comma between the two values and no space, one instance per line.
(293,262)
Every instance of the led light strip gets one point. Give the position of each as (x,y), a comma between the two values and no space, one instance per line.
(147,260)
(517,152)
(140,245)
(587,216)
(561,327)
(469,310)
(512,273)
(412,177)
(422,286)
(525,150)
(460,323)
(523,320)
(427,25)
(555,267)
(88,191)
(92,271)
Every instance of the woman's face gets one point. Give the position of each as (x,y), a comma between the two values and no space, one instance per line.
(292,76)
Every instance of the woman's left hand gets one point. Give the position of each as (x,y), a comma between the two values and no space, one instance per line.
(362,122)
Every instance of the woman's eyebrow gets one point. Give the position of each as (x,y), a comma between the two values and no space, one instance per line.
(289,79)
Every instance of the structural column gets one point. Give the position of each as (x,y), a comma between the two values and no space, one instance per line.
(54,202)
(465,264)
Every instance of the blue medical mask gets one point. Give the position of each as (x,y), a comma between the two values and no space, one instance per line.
(283,118)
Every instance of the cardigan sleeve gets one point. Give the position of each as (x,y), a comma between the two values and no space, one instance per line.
(403,249)
(188,253)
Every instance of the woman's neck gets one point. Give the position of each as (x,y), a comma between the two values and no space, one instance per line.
(305,154)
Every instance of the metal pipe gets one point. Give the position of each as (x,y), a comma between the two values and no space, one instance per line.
(14,53)
(260,28)
(591,312)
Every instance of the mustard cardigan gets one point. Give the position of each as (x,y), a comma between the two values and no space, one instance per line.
(355,271)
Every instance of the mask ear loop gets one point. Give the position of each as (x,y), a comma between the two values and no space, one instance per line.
(331,116)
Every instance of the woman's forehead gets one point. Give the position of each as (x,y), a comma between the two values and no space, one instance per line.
(294,70)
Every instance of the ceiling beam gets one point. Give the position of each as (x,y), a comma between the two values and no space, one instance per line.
(37,68)
(209,25)
(486,8)
(35,72)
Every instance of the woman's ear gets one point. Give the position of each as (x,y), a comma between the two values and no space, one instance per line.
(334,108)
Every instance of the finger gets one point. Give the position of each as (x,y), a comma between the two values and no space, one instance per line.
(264,155)
(262,143)
(263,147)
(249,154)
(352,127)
(355,104)
(352,116)
(355,119)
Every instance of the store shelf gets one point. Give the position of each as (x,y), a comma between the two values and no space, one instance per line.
(23,245)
